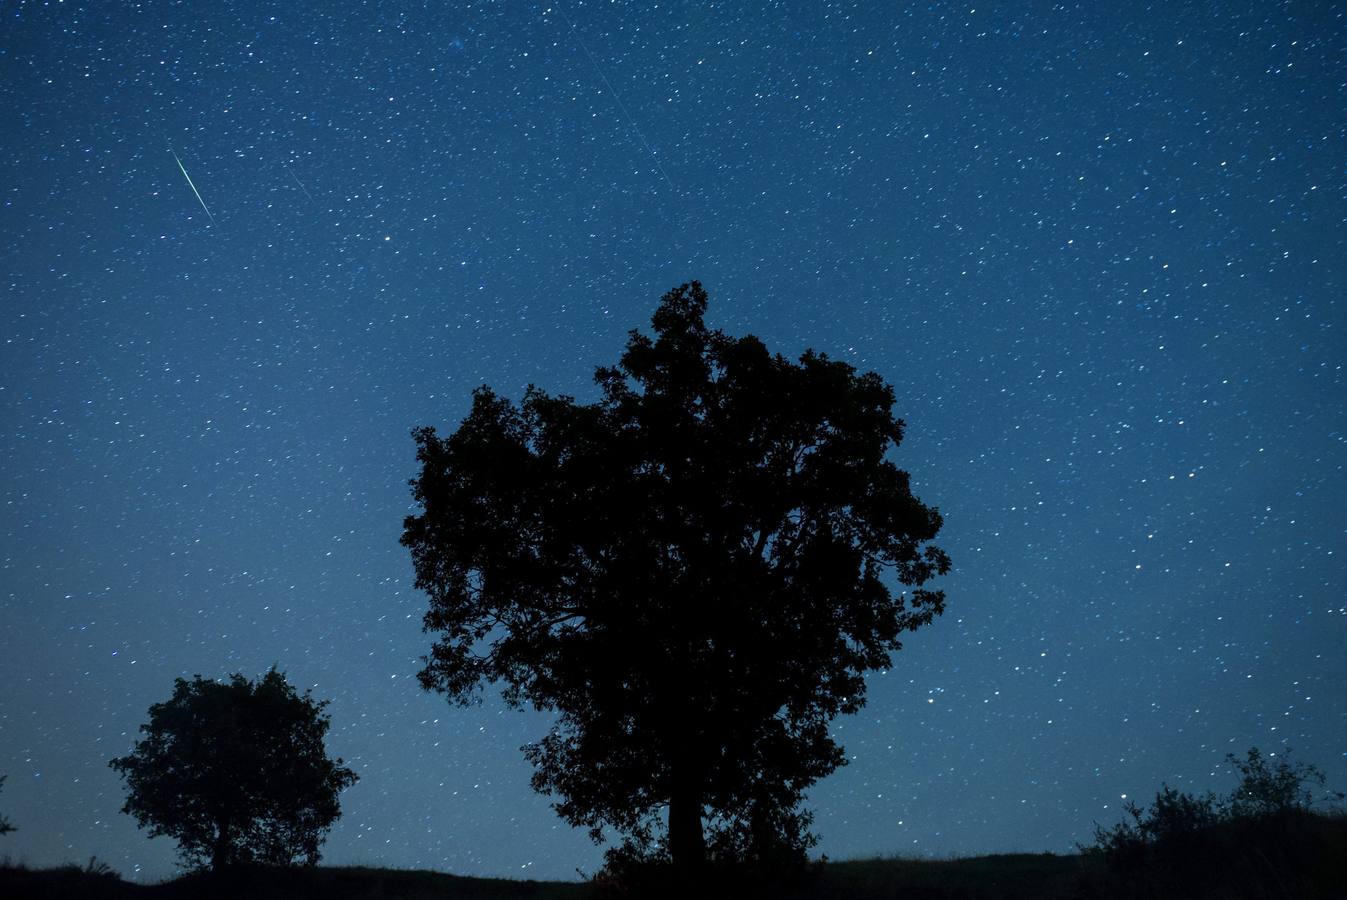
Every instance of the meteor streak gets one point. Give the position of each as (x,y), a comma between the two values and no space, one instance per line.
(297,181)
(575,32)
(193,187)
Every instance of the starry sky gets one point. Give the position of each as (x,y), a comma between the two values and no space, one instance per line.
(1098,248)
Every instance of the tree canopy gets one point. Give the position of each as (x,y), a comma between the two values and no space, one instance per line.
(695,572)
(236,772)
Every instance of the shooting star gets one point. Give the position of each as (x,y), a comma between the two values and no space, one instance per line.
(192,186)
(297,181)
(575,32)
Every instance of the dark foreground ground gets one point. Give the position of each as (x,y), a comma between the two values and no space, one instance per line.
(1018,876)
(1304,858)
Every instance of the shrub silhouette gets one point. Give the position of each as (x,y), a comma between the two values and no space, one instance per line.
(1264,789)
(236,772)
(1171,819)
(1263,839)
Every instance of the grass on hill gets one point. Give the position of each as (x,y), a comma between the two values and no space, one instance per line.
(73,882)
(1298,856)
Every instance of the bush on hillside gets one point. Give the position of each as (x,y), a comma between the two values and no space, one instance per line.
(1262,839)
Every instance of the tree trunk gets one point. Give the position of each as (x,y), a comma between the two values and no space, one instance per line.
(687,842)
(219,857)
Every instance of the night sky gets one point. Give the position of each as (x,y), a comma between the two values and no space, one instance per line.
(1099,249)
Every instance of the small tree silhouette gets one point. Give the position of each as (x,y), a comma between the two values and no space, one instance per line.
(236,772)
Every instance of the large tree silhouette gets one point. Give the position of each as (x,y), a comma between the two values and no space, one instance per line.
(236,772)
(695,572)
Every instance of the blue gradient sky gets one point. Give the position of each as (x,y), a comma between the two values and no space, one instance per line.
(1098,249)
